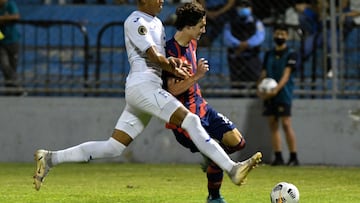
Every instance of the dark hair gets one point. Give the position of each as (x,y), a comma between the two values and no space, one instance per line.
(189,14)
(282,27)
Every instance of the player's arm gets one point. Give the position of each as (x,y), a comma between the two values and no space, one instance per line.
(177,87)
(171,64)
(263,74)
(290,66)
(284,79)
(261,95)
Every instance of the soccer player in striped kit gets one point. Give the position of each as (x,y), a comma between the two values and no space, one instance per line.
(190,24)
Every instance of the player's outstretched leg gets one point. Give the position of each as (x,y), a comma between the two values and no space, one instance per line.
(240,171)
(43,165)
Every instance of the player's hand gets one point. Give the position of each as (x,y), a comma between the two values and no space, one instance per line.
(180,69)
(202,68)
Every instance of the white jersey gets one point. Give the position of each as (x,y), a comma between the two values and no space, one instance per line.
(141,32)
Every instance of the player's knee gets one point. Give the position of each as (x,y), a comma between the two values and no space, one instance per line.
(190,120)
(238,147)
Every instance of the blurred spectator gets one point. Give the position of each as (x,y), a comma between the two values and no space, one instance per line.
(243,36)
(309,18)
(351,17)
(270,11)
(218,12)
(280,64)
(9,46)
(309,12)
(312,14)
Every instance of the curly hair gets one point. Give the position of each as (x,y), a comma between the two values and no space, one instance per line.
(189,14)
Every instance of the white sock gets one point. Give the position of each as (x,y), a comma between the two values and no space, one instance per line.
(205,144)
(87,151)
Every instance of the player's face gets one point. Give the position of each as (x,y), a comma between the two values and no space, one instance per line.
(198,29)
(155,5)
(151,7)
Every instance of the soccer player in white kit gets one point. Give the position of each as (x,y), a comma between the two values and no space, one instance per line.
(145,45)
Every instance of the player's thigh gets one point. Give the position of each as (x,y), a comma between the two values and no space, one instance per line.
(132,121)
(152,99)
(220,127)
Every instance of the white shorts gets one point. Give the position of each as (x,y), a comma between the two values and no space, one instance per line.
(142,102)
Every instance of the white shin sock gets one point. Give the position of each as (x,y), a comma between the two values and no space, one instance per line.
(205,144)
(88,150)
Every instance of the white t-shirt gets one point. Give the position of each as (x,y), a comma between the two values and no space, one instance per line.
(141,32)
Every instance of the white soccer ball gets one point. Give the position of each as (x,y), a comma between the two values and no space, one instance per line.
(284,192)
(267,84)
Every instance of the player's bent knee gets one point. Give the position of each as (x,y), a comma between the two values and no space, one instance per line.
(231,149)
(190,120)
(178,116)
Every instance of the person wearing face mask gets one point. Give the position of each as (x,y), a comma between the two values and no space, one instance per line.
(280,64)
(243,36)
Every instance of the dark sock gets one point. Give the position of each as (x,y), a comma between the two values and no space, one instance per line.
(293,156)
(215,177)
(278,156)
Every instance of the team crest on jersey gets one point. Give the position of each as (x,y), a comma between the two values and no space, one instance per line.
(142,30)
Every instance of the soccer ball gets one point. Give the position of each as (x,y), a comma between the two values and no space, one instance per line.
(267,84)
(284,192)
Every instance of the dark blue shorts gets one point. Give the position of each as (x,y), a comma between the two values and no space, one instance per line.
(215,124)
(276,109)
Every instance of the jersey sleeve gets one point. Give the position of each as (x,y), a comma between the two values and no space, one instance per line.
(138,32)
(292,60)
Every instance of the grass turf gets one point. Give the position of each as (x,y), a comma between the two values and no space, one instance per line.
(170,183)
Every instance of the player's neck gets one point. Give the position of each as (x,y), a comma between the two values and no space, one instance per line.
(182,39)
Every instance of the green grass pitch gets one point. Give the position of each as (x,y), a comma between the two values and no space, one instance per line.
(170,183)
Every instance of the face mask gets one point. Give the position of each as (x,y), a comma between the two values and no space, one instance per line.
(279,41)
(244,12)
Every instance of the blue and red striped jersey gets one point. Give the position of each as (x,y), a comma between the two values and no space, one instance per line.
(192,98)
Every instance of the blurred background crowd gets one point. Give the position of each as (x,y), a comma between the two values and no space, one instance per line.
(75,47)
